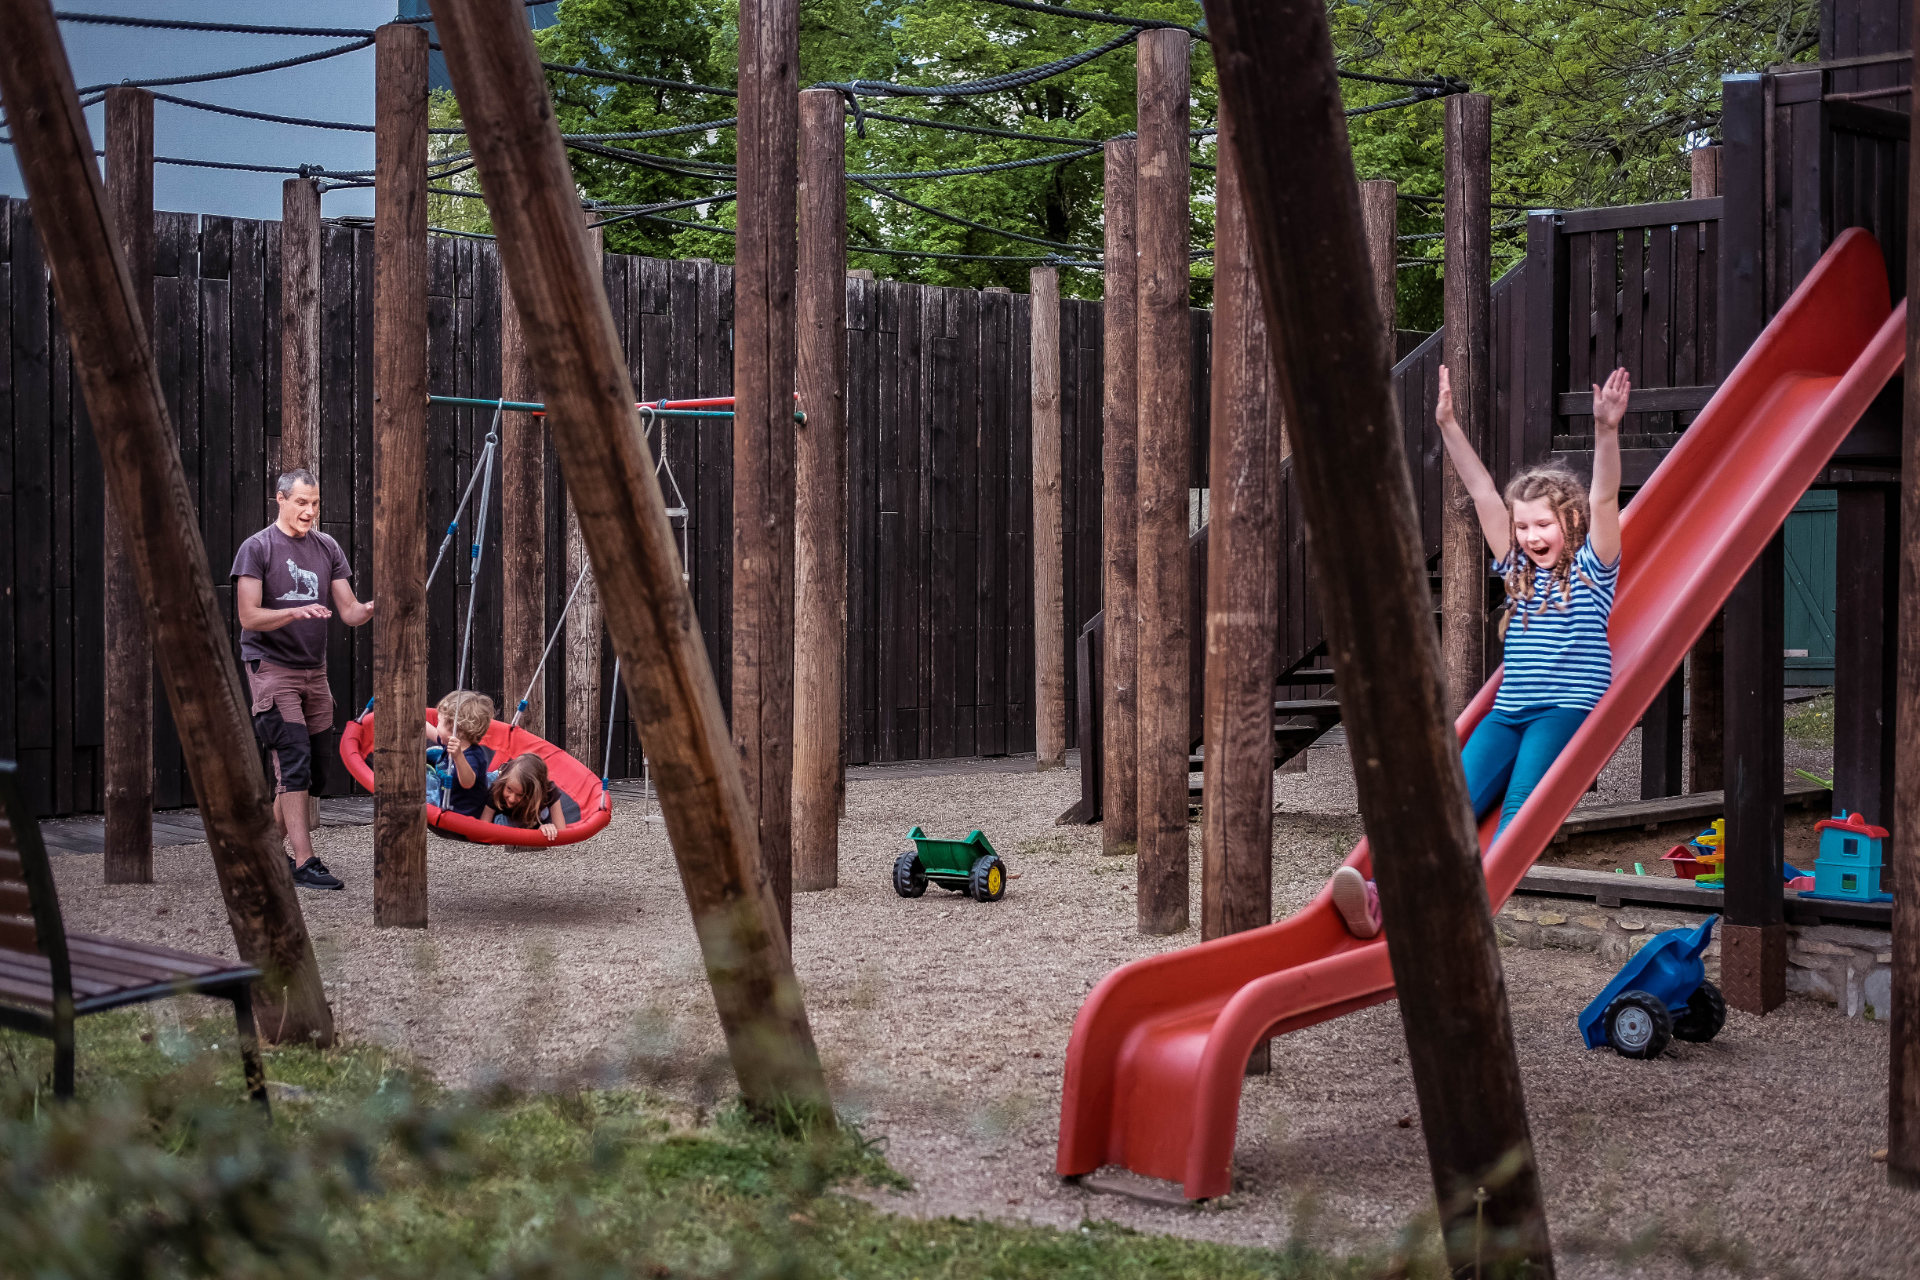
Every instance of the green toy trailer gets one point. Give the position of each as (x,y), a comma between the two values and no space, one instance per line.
(967,866)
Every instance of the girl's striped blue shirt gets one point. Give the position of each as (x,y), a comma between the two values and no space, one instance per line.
(1557,653)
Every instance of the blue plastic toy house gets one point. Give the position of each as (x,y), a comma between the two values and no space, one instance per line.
(1851,852)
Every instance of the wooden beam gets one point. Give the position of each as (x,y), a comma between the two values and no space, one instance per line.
(300,324)
(585,697)
(523,523)
(820,504)
(1049,570)
(1706,719)
(1468,312)
(1661,740)
(1165,378)
(115,367)
(1380,212)
(1753,938)
(1243,585)
(763,429)
(1866,609)
(126,761)
(1117,698)
(1275,63)
(400,474)
(596,430)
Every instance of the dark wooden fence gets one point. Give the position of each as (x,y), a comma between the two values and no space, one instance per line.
(940,621)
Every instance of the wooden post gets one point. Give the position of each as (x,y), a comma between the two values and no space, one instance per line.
(1243,585)
(400,474)
(1165,377)
(763,428)
(820,504)
(1661,740)
(1866,607)
(1118,695)
(1276,69)
(523,524)
(1753,937)
(1903,853)
(1049,571)
(127,758)
(585,697)
(1380,213)
(1469,356)
(300,325)
(711,825)
(1706,719)
(141,459)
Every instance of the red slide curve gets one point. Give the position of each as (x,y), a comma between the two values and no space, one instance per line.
(1159,1049)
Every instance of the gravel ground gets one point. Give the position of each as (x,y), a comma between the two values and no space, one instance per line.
(945,1022)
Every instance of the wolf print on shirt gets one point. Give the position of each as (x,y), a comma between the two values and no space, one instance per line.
(306,584)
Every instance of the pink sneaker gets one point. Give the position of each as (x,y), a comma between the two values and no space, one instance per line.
(1358,902)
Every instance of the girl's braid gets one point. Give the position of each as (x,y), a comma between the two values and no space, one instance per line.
(1561,490)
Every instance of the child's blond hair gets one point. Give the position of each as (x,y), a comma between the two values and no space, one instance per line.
(467,713)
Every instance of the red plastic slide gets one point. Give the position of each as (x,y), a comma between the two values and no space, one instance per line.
(1159,1050)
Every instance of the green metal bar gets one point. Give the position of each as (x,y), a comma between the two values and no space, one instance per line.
(527,406)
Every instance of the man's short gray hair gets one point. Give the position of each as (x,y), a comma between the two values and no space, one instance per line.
(299,475)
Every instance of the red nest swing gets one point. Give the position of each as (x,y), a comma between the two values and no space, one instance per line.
(577,783)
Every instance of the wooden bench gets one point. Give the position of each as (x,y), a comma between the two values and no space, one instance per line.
(49,977)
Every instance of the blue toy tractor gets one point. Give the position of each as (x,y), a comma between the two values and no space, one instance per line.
(1661,993)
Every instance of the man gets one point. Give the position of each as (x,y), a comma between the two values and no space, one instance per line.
(285,573)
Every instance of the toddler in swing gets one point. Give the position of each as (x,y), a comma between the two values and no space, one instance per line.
(459,777)
(525,797)
(1557,546)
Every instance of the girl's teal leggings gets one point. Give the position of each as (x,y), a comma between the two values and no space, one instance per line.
(1509,752)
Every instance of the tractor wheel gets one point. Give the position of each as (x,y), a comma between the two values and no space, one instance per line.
(909,877)
(988,882)
(1638,1025)
(1706,1014)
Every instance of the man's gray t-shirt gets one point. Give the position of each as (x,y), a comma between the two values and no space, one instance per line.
(292,572)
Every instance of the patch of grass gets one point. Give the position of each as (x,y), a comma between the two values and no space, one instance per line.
(371,1170)
(1812,722)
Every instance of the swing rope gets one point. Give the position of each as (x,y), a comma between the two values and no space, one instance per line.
(479,545)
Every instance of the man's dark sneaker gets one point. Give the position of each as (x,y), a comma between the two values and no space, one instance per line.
(313,874)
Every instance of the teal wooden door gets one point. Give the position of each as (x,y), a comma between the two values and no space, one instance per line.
(1812,531)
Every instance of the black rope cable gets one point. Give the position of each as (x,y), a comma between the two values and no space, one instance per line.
(990,84)
(1061,157)
(1094,15)
(969,222)
(659,164)
(202,78)
(627,77)
(182,24)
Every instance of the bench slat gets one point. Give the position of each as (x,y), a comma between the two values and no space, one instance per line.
(23,990)
(11,872)
(35,969)
(133,970)
(14,900)
(186,961)
(18,935)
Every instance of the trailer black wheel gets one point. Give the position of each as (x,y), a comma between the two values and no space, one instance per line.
(1706,1014)
(988,883)
(1638,1025)
(909,877)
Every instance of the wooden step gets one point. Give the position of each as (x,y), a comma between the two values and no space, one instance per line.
(1325,708)
(1311,675)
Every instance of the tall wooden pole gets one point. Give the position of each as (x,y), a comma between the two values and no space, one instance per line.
(711,825)
(141,460)
(1903,869)
(763,428)
(1753,931)
(1380,214)
(1243,583)
(399,473)
(1049,571)
(1469,353)
(1119,509)
(300,324)
(585,698)
(1276,69)
(1166,431)
(523,523)
(820,503)
(127,758)
(1706,716)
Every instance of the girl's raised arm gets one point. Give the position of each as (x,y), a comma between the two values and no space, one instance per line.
(1495,520)
(1603,496)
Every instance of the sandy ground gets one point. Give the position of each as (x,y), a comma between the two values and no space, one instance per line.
(945,1022)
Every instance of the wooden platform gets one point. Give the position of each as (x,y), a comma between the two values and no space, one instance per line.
(1610,889)
(1701,807)
(173,827)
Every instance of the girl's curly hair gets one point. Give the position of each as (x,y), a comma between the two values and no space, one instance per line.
(1563,492)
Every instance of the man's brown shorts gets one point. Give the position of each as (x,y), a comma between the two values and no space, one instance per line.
(300,695)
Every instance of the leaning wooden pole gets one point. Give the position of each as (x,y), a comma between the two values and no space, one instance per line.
(399,473)
(523,525)
(114,364)
(1049,562)
(127,762)
(1380,212)
(596,431)
(820,503)
(1468,313)
(1903,871)
(300,324)
(1243,584)
(1166,429)
(763,428)
(1119,508)
(1277,77)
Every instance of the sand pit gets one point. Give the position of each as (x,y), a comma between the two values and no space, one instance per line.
(945,1022)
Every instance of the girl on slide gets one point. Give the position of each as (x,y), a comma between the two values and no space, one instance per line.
(1557,545)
